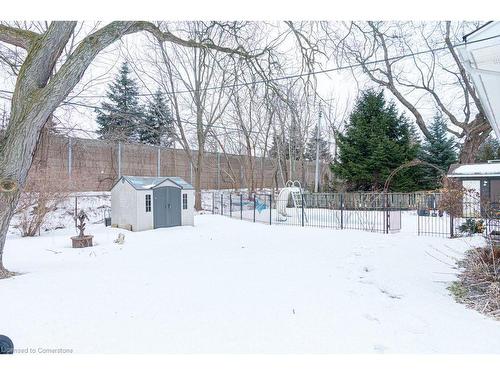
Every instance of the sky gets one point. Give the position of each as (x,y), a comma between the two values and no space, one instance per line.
(339,88)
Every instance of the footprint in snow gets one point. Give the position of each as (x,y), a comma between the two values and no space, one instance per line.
(380,348)
(389,294)
(365,282)
(371,318)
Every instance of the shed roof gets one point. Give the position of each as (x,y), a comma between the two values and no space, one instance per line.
(146,183)
(476,170)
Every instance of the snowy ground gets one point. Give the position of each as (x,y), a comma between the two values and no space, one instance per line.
(229,286)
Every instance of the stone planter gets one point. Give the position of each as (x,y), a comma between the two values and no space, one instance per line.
(82,241)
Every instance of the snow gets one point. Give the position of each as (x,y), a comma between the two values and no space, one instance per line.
(230,286)
(145,183)
(483,169)
(93,203)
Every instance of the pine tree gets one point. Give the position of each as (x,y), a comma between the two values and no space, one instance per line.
(287,148)
(439,150)
(158,125)
(324,148)
(376,141)
(489,150)
(121,117)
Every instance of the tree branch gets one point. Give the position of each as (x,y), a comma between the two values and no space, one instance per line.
(17,37)
(167,36)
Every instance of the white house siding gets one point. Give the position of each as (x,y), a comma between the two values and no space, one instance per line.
(124,205)
(144,219)
(481,58)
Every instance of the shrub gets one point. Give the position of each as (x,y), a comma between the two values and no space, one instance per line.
(36,201)
(472,226)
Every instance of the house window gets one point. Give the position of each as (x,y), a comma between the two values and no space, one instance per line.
(184,201)
(148,202)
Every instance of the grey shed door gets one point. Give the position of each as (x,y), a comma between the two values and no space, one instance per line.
(166,207)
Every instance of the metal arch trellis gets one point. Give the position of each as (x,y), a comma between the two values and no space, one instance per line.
(410,164)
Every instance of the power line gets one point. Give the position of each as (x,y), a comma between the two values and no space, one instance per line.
(293,76)
(299,75)
(138,115)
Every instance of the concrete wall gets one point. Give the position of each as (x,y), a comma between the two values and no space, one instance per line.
(94,165)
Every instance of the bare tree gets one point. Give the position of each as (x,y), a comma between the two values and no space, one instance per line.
(250,114)
(390,54)
(197,108)
(44,81)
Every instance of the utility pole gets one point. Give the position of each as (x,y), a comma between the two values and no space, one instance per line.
(316,174)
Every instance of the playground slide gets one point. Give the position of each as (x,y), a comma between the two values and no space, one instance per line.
(283,198)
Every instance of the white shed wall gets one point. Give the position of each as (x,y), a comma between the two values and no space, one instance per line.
(188,215)
(144,219)
(124,205)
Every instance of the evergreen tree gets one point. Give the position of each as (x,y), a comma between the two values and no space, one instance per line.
(439,150)
(324,148)
(287,147)
(376,141)
(489,150)
(158,125)
(121,117)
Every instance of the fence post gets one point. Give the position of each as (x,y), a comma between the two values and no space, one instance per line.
(302,197)
(241,206)
(451,227)
(76,209)
(222,204)
(218,170)
(70,157)
(270,209)
(341,210)
(213,202)
(254,204)
(230,205)
(386,211)
(418,222)
(119,159)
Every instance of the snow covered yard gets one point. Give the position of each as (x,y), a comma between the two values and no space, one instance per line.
(229,286)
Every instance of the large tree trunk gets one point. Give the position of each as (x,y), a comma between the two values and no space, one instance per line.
(476,134)
(16,155)
(8,203)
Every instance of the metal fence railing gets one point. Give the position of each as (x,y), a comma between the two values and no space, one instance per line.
(470,215)
(373,212)
(422,212)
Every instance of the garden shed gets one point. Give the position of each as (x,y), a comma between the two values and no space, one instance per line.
(481,178)
(143,203)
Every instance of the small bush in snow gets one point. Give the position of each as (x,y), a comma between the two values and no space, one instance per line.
(471,226)
(478,285)
(35,203)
